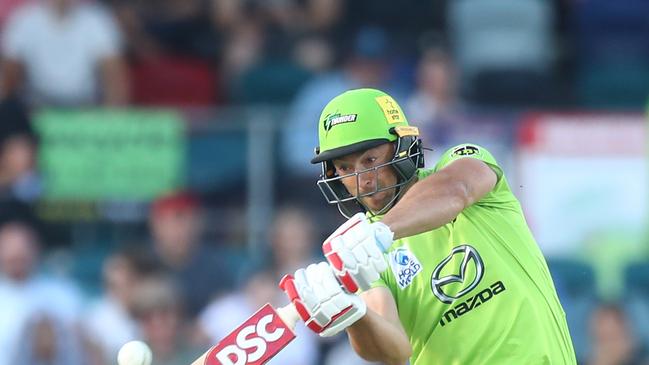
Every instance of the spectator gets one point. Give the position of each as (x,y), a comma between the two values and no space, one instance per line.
(65,53)
(364,65)
(160,316)
(612,340)
(25,293)
(156,27)
(242,48)
(46,341)
(299,17)
(292,238)
(108,322)
(294,41)
(226,313)
(405,21)
(18,178)
(172,49)
(314,53)
(199,269)
(435,98)
(288,18)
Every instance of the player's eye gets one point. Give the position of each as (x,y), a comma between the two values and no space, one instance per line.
(345,169)
(370,160)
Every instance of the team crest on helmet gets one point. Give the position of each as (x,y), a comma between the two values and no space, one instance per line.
(334,119)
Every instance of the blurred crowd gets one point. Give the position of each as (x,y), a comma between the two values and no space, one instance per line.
(176,291)
(181,293)
(178,286)
(588,53)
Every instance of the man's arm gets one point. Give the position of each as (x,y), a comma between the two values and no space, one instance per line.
(428,204)
(439,198)
(114,81)
(11,77)
(379,335)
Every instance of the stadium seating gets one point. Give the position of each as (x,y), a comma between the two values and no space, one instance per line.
(612,52)
(613,85)
(501,36)
(273,81)
(87,265)
(205,149)
(606,30)
(636,299)
(575,283)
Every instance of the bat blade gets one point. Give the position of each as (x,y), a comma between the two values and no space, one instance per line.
(256,340)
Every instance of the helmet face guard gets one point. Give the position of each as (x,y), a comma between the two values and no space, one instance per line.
(356,121)
(407,158)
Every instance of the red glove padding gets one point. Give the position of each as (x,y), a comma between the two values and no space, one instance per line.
(355,251)
(324,306)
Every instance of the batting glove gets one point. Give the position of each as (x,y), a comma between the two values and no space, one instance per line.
(355,251)
(324,306)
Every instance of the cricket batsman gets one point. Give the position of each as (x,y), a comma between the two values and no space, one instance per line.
(435,265)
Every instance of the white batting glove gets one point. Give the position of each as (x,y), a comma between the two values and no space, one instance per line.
(320,301)
(355,251)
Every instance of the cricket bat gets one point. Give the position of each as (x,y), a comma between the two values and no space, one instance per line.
(255,341)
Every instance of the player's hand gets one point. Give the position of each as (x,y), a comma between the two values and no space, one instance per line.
(320,301)
(355,251)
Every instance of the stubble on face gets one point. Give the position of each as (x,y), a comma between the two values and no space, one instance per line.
(373,180)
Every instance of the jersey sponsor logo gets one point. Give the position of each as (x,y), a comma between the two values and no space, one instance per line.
(466,150)
(332,120)
(471,271)
(473,302)
(405,266)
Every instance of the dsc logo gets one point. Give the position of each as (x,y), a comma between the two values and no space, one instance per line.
(250,337)
(254,342)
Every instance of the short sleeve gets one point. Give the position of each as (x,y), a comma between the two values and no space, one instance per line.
(501,193)
(472,151)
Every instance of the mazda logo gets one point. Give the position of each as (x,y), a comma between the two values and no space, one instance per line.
(469,256)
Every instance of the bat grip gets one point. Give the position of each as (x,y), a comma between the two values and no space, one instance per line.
(289,315)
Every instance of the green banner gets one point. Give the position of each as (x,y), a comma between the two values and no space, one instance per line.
(103,154)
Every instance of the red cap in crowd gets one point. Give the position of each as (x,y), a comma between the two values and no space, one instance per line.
(178,201)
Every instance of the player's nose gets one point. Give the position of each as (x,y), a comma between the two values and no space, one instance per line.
(367,182)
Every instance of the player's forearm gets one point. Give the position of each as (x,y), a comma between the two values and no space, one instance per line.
(428,204)
(376,339)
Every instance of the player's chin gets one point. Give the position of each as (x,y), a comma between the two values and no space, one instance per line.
(377,201)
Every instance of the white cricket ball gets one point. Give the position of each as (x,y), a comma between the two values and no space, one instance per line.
(134,353)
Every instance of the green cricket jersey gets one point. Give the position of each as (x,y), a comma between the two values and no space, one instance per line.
(478,290)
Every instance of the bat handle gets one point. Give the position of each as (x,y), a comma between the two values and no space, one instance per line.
(289,315)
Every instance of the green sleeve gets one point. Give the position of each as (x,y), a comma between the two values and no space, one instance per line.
(469,150)
(501,193)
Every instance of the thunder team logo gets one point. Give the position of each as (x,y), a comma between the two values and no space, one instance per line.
(404,265)
(332,120)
